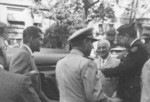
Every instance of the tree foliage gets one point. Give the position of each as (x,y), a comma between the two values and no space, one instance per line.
(70,16)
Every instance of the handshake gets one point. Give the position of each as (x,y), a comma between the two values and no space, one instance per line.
(110,99)
(114,100)
(32,74)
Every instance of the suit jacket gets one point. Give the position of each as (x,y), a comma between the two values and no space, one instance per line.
(23,62)
(78,79)
(129,72)
(109,85)
(16,88)
(145,94)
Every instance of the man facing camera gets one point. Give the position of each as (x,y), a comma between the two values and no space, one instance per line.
(129,72)
(23,61)
(104,59)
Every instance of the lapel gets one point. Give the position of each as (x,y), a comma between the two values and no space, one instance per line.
(24,48)
(36,80)
(108,62)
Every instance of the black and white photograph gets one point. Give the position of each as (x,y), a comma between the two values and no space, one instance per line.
(74,50)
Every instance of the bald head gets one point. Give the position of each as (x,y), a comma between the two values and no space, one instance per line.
(104,42)
(103,48)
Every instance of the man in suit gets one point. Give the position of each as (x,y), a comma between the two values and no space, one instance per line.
(145,94)
(104,59)
(23,62)
(76,74)
(15,87)
(129,72)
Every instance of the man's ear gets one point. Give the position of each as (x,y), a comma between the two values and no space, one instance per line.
(127,35)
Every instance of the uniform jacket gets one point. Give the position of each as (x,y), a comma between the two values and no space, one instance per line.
(16,88)
(23,62)
(109,85)
(145,95)
(129,72)
(78,79)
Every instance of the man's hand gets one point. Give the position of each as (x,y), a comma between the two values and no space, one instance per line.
(114,99)
(32,74)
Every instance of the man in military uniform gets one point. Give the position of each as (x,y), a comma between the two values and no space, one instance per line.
(77,75)
(129,72)
(145,94)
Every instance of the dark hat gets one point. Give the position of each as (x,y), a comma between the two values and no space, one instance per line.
(146,31)
(85,33)
(127,28)
(111,32)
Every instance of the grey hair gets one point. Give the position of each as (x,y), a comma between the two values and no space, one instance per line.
(104,41)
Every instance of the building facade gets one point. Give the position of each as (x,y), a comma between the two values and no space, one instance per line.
(16,15)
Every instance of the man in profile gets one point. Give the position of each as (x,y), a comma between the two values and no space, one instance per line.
(23,61)
(15,87)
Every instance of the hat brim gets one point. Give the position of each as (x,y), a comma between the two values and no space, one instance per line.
(92,39)
(144,37)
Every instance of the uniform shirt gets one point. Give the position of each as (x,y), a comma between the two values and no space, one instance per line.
(78,79)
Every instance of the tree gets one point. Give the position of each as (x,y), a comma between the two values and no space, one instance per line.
(88,4)
(69,16)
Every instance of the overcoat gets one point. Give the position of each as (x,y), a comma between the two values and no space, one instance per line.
(129,72)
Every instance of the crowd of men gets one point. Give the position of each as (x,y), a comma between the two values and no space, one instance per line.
(104,79)
(81,78)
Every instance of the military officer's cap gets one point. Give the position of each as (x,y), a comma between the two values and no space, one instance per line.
(85,33)
(127,28)
(146,31)
(111,32)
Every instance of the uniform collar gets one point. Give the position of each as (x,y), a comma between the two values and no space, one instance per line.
(134,41)
(78,52)
(29,49)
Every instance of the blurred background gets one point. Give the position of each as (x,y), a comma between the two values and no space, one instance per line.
(58,19)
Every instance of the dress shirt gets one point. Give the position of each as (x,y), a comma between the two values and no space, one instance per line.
(103,61)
